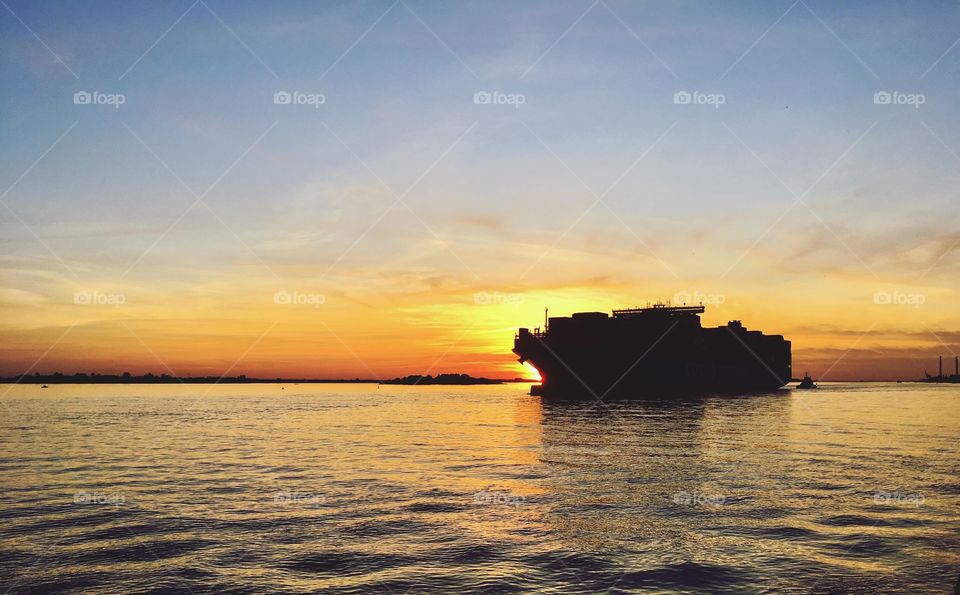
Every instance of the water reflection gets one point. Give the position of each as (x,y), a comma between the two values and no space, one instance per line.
(688,489)
(631,475)
(853,488)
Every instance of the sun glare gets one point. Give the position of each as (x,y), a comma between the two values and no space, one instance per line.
(532,373)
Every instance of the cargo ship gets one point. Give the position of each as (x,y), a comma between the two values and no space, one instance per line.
(652,351)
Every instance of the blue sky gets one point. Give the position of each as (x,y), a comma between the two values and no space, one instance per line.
(501,195)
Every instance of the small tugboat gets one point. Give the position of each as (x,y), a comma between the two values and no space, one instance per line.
(807,382)
(44,386)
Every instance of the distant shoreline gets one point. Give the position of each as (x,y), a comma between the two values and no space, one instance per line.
(170,380)
(167,379)
(178,380)
(449,380)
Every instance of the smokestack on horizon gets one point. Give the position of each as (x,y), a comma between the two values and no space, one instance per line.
(941,367)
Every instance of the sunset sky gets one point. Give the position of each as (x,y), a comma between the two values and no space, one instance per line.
(788,193)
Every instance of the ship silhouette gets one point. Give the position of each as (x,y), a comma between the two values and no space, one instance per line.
(654,351)
(807,382)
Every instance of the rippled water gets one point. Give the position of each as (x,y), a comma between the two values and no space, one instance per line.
(851,488)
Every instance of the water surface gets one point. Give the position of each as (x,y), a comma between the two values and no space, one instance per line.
(351,488)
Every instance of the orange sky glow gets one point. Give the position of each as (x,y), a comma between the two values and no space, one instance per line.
(442,194)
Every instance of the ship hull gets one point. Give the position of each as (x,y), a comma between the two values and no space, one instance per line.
(657,380)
